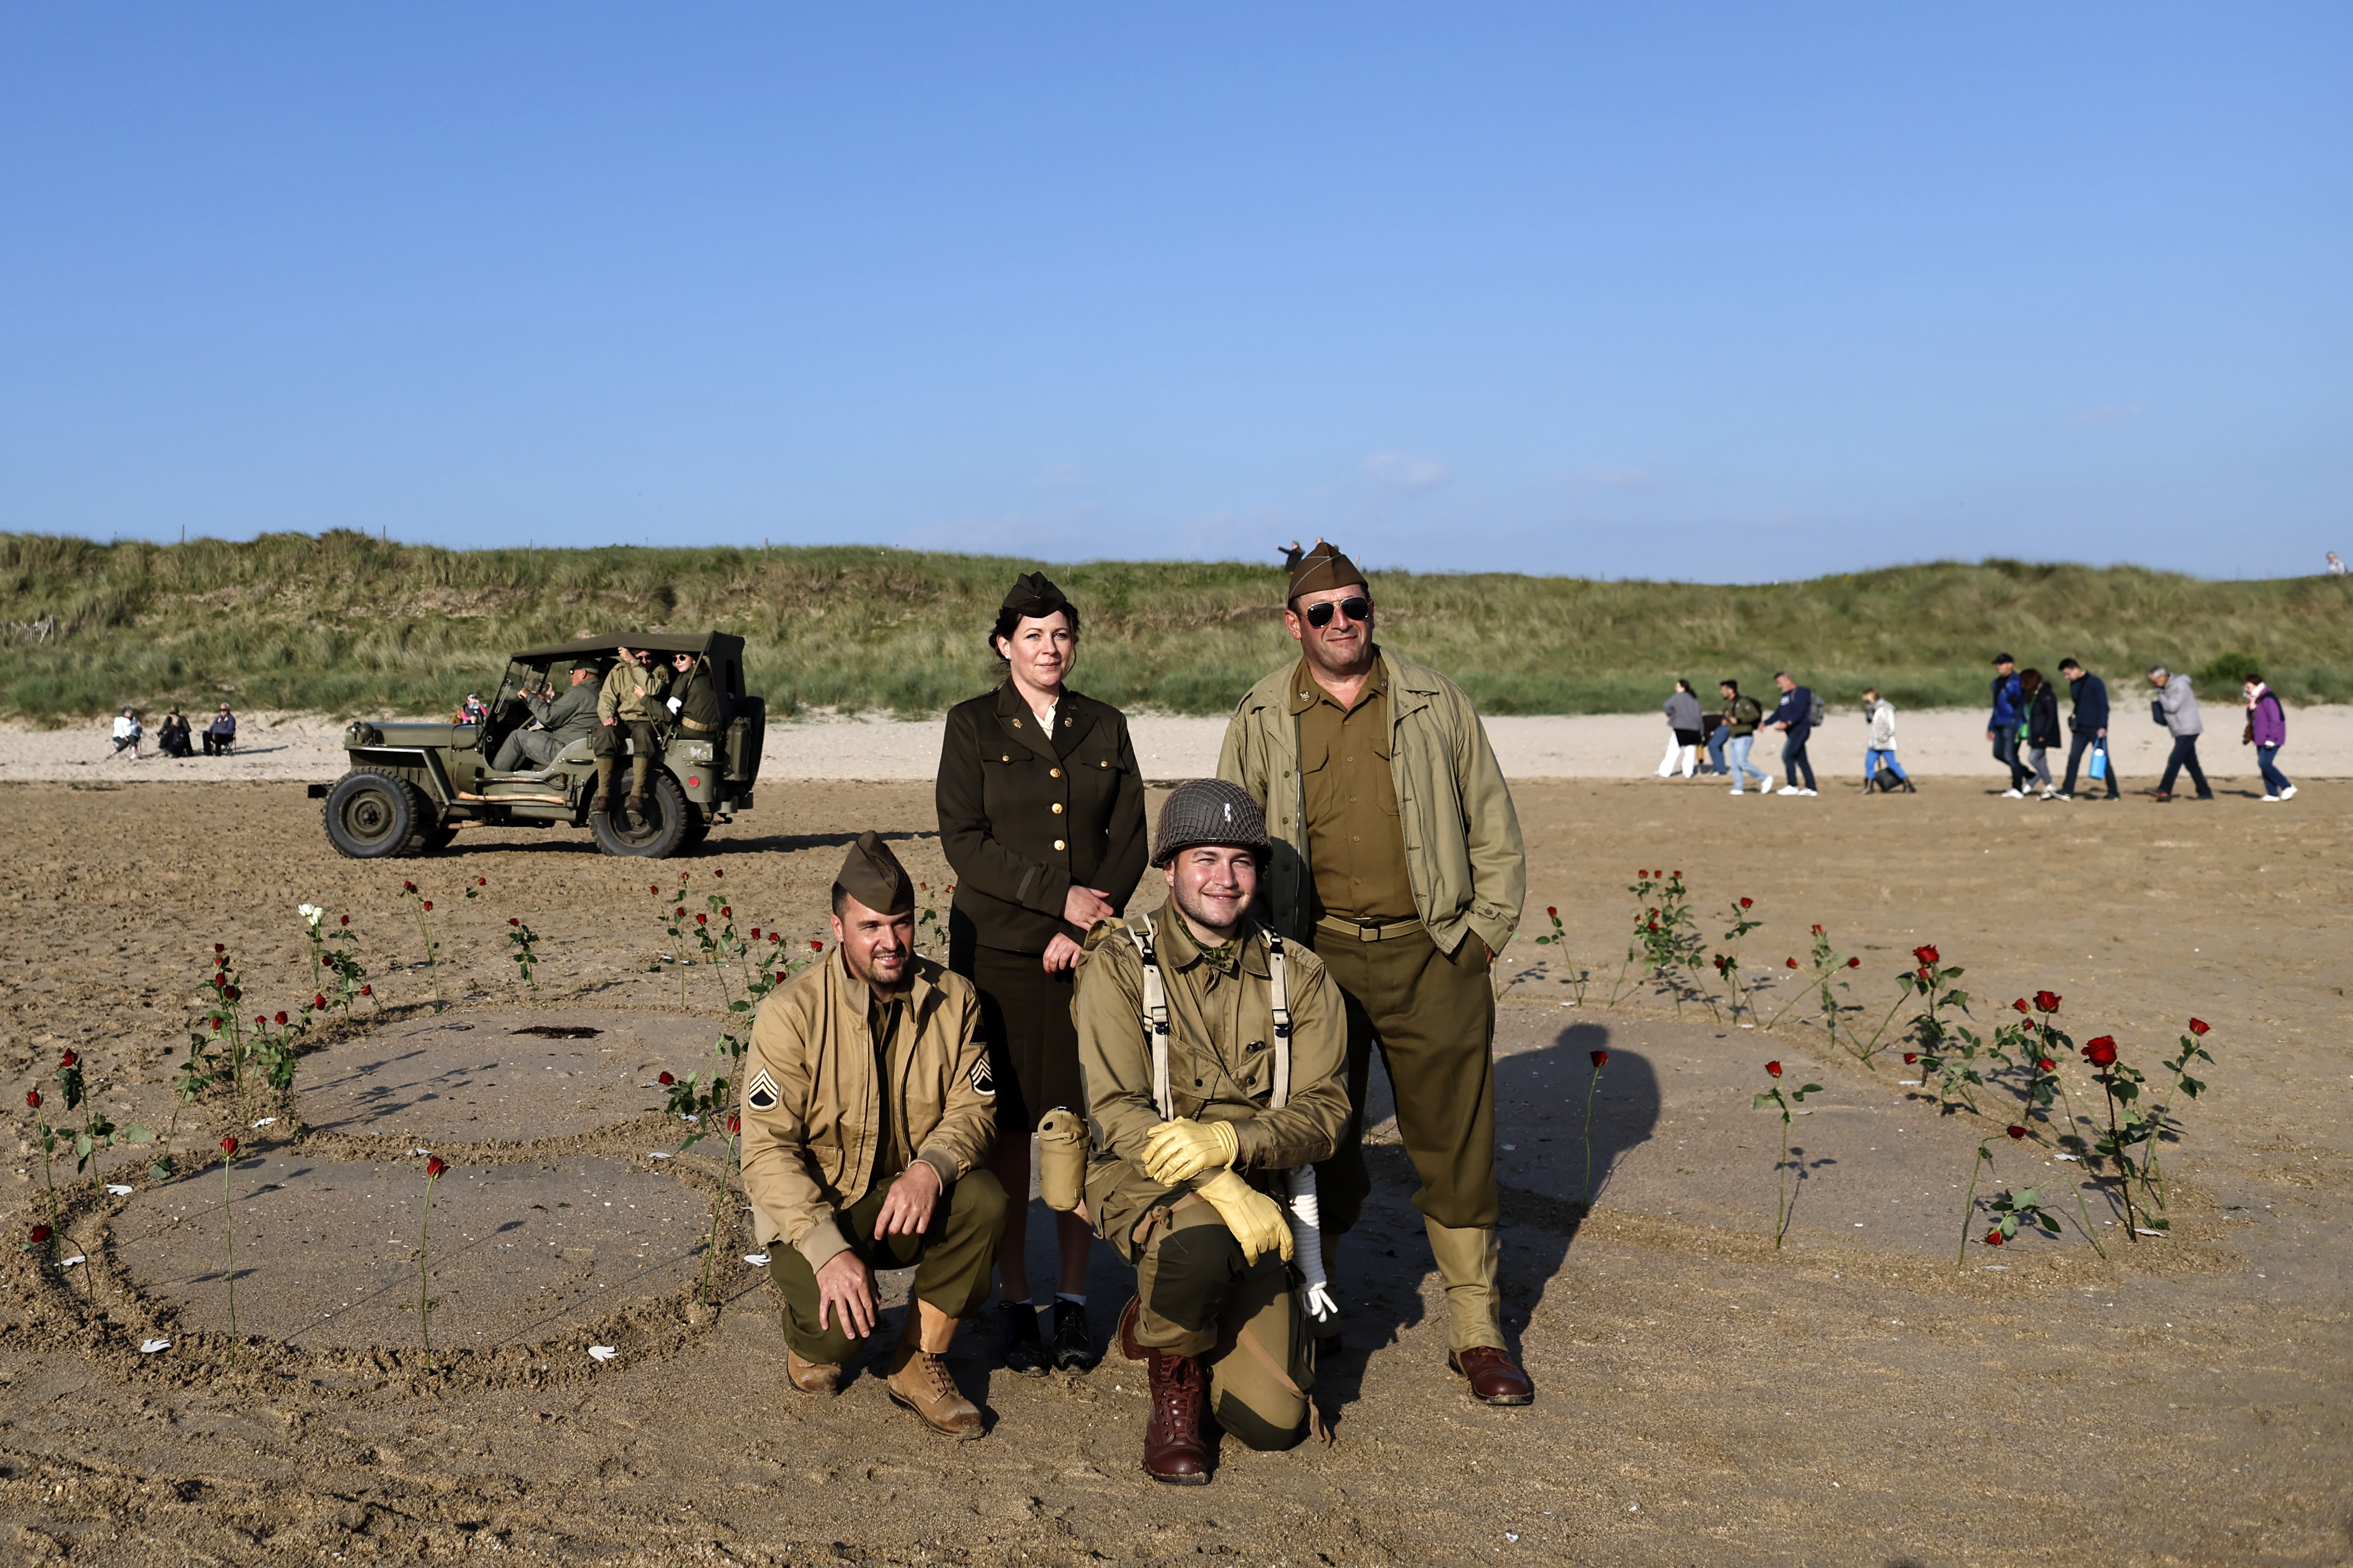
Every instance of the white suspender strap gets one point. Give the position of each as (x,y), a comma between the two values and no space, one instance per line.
(1155,1013)
(1278,985)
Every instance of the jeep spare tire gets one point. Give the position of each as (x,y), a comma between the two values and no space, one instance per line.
(372,815)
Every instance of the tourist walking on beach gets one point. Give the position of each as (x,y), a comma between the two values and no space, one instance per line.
(1795,719)
(2176,708)
(2002,728)
(1741,717)
(1880,713)
(1683,731)
(2090,723)
(2268,733)
(1041,816)
(2040,704)
(1397,858)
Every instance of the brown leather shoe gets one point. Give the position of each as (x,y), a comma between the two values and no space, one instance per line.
(1174,1451)
(920,1381)
(599,803)
(811,1376)
(634,805)
(1495,1377)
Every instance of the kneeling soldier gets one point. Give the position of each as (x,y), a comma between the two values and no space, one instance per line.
(1213,1056)
(867,1111)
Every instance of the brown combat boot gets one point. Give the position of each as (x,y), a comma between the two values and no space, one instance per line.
(920,1381)
(599,803)
(1173,1451)
(634,805)
(811,1376)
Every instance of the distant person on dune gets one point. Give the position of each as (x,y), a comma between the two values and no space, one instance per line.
(2335,567)
(1683,731)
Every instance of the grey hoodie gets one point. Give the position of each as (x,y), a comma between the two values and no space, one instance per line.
(1682,711)
(2178,703)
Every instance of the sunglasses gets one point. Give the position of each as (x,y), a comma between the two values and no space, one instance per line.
(1355,607)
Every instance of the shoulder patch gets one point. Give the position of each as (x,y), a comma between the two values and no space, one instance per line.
(761,1094)
(984,1082)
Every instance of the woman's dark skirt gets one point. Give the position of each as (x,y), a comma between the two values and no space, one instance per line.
(1033,1046)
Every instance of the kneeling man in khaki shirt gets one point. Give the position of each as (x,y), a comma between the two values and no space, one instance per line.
(867,1111)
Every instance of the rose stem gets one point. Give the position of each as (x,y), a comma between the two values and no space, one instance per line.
(2123,1164)
(228,1235)
(424,1304)
(1584,1195)
(1969,1203)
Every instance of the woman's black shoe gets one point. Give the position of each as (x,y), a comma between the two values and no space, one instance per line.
(1024,1351)
(1074,1347)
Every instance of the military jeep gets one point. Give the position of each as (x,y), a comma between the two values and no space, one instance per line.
(412,785)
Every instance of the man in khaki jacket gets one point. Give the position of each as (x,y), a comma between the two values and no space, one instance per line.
(867,1110)
(1185,1178)
(1398,856)
(629,703)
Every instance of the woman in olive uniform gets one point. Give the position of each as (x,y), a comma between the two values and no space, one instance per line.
(1042,816)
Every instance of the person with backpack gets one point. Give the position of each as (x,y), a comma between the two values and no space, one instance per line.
(1741,717)
(2090,723)
(1881,753)
(2041,711)
(2176,708)
(1800,712)
(2002,728)
(2268,733)
(1682,731)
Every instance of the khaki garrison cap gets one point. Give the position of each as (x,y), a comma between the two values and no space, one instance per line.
(1313,570)
(872,875)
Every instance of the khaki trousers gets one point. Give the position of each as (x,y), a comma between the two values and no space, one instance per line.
(954,1262)
(605,745)
(1433,1018)
(1197,1298)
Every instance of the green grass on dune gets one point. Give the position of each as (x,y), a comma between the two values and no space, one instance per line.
(346,625)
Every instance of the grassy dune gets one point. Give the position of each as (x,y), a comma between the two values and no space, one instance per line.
(346,625)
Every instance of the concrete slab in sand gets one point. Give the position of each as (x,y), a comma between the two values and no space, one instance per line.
(326,1250)
(472,1076)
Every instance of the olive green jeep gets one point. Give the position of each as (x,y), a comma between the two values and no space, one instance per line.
(412,785)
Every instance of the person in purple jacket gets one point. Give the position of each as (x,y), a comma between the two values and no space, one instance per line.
(2267,731)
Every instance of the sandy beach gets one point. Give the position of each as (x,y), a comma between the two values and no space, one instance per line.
(1934,743)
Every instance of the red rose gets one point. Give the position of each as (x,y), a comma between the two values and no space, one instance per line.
(435,1165)
(655,889)
(409,887)
(228,1146)
(219,948)
(780,977)
(232,993)
(1854,963)
(1911,1056)
(1748,903)
(702,919)
(2198,1025)
(40,1234)
(2102,1051)
(281,1019)
(1818,930)
(1553,910)
(2016,1131)
(33,1098)
(2046,1064)
(775,936)
(481,882)
(1993,1238)
(259,1021)
(367,990)
(734,1122)
(727,910)
(1793,964)
(67,1061)
(665,1079)
(1773,1067)
(679,913)
(513,921)
(1600,1059)
(816,946)
(216,1022)
(1678,874)
(428,904)
(1927,955)
(756,933)
(2048,1001)
(318,1002)
(345,920)
(2021,1006)
(716,875)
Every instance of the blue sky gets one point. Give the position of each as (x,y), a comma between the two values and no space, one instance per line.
(1728,292)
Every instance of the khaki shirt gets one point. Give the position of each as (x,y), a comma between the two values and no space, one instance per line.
(632,692)
(812,1099)
(1462,835)
(1221,1059)
(1355,845)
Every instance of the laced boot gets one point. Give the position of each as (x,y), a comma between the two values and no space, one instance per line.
(1174,1451)
(919,1380)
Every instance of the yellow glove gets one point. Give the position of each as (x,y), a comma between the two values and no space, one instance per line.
(1255,1219)
(1180,1151)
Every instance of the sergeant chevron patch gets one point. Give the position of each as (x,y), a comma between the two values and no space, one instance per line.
(761,1094)
(983,1082)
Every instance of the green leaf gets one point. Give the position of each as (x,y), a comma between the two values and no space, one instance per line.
(134,1133)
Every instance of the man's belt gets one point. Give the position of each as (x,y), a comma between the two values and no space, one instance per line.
(1367,930)
(701,729)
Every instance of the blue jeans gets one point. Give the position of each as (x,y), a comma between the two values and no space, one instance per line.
(1716,739)
(2274,781)
(1873,756)
(1742,770)
(2184,755)
(2005,750)
(1793,755)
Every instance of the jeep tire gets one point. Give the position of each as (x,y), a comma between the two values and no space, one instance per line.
(373,815)
(658,834)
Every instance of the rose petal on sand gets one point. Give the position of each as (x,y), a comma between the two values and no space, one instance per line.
(656,1155)
(265,1122)
(149,1347)
(602,1352)
(118,1189)
(81,1257)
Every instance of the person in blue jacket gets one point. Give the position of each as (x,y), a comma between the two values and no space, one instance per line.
(2089,722)
(2008,712)
(1795,719)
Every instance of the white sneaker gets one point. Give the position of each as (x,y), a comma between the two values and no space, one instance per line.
(1764,786)
(1737,790)
(2012,794)
(2270,800)
(2288,794)
(1804,791)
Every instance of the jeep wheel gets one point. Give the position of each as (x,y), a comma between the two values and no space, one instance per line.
(370,815)
(656,834)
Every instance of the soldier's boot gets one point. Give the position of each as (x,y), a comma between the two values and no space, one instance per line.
(811,1376)
(1469,1264)
(1175,1452)
(603,802)
(919,1380)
